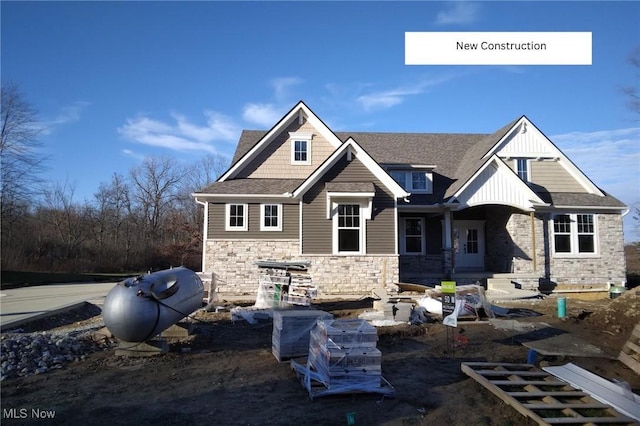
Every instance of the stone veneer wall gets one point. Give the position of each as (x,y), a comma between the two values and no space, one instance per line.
(608,266)
(232,264)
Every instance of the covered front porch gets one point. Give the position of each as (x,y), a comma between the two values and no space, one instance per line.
(476,244)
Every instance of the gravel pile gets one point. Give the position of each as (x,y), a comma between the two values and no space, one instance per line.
(24,354)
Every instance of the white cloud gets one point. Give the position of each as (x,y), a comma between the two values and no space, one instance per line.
(265,115)
(282,86)
(388,98)
(67,114)
(133,154)
(182,135)
(458,13)
(611,159)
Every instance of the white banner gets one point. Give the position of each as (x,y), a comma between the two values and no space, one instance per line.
(497,48)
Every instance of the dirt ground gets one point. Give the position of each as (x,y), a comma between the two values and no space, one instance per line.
(226,374)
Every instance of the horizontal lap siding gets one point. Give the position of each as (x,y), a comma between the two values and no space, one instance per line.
(317,230)
(275,160)
(553,177)
(290,228)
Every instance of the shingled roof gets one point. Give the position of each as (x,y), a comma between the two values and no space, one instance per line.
(252,186)
(457,157)
(442,149)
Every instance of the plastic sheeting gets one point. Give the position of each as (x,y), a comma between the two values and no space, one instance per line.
(470,299)
(343,357)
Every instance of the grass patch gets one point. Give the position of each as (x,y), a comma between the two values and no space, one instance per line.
(17,279)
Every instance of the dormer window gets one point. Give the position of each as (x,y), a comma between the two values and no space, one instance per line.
(300,148)
(413,180)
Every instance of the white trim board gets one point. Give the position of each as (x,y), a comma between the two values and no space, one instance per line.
(623,400)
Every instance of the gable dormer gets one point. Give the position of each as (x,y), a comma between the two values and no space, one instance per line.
(538,162)
(293,148)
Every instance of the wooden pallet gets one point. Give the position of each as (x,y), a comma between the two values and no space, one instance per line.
(317,385)
(630,354)
(541,396)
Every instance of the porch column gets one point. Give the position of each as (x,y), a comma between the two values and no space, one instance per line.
(447,244)
(533,241)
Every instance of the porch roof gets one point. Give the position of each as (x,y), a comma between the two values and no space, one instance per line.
(574,199)
(252,187)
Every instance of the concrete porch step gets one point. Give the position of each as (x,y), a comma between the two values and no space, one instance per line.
(500,284)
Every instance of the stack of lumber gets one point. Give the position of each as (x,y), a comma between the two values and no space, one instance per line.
(291,331)
(343,358)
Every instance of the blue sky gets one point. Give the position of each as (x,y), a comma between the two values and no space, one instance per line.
(117,81)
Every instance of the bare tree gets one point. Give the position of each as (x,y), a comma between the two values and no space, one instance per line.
(155,184)
(20,159)
(67,221)
(20,165)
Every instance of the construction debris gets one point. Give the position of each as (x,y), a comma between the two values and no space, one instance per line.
(470,302)
(284,283)
(630,354)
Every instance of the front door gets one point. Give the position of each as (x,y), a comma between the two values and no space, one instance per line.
(468,244)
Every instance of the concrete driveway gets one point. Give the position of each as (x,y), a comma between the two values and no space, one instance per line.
(28,303)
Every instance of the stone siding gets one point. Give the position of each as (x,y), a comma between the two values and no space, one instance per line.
(607,266)
(232,265)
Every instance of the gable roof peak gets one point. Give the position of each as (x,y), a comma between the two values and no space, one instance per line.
(295,113)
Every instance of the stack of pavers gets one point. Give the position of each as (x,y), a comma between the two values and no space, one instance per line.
(343,357)
(291,332)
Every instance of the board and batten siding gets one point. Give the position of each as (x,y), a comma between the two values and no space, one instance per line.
(275,159)
(317,230)
(290,218)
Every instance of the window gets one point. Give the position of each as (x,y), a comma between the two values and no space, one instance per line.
(236,219)
(349,228)
(574,234)
(400,176)
(271,217)
(300,148)
(300,152)
(413,241)
(419,181)
(522,168)
(414,181)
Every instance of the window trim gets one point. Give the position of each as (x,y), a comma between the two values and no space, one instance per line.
(265,228)
(527,162)
(245,218)
(300,137)
(573,236)
(403,237)
(362,228)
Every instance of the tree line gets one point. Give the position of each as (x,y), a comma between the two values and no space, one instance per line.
(144,219)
